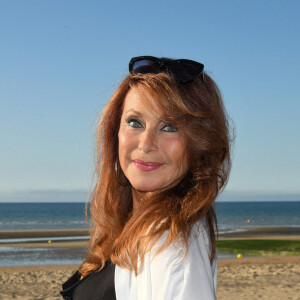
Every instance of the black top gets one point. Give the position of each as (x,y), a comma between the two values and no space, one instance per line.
(95,286)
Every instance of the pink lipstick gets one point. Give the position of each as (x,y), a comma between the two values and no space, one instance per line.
(146,166)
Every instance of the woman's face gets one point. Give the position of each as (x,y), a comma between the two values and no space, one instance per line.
(152,153)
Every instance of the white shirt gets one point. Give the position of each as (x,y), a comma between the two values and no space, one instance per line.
(169,275)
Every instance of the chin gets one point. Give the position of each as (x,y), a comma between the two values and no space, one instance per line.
(146,187)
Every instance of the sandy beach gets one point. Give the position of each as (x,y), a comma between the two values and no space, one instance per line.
(246,278)
(255,278)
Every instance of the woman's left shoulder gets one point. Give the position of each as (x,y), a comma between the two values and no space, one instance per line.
(185,271)
(199,237)
(198,241)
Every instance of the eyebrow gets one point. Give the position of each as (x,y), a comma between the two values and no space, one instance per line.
(133,111)
(138,114)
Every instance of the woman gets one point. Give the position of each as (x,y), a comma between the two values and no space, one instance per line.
(162,159)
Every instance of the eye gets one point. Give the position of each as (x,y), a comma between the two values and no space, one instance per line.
(134,123)
(169,128)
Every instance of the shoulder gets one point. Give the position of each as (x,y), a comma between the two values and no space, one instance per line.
(96,284)
(180,273)
(187,272)
(176,254)
(198,244)
(176,272)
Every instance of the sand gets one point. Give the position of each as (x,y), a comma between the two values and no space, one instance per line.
(250,278)
(260,279)
(246,278)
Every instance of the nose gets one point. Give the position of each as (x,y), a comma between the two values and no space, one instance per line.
(148,141)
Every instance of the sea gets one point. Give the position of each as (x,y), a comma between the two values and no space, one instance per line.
(20,216)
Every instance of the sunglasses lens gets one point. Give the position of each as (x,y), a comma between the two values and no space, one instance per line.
(144,66)
(184,71)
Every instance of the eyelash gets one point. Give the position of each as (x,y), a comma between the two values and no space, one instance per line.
(131,120)
(172,130)
(134,120)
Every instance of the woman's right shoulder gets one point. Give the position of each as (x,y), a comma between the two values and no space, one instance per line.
(92,286)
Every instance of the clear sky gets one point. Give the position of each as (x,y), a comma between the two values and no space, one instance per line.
(61,60)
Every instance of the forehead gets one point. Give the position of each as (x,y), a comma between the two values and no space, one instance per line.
(142,101)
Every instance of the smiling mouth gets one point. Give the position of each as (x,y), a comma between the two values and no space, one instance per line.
(146,166)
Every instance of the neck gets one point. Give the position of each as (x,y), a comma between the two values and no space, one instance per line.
(138,196)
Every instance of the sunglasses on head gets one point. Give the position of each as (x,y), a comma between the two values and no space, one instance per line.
(182,70)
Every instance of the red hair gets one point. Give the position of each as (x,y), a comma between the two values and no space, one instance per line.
(122,235)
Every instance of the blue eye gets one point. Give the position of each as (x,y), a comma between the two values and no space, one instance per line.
(169,128)
(134,123)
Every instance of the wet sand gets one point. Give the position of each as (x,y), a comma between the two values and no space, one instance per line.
(263,232)
(243,231)
(41,233)
(250,232)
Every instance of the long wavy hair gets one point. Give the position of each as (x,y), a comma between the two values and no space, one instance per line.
(123,235)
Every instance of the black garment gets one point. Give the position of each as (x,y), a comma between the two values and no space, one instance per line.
(95,286)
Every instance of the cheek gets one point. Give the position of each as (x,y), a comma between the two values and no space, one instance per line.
(122,140)
(176,151)
(126,144)
(121,149)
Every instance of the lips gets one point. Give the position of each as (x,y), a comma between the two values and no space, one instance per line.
(146,166)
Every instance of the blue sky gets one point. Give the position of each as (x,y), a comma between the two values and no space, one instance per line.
(61,60)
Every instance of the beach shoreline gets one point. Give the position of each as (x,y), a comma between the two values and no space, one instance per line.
(79,238)
(41,233)
(239,231)
(67,238)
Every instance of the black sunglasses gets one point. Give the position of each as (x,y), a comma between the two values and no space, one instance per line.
(182,70)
